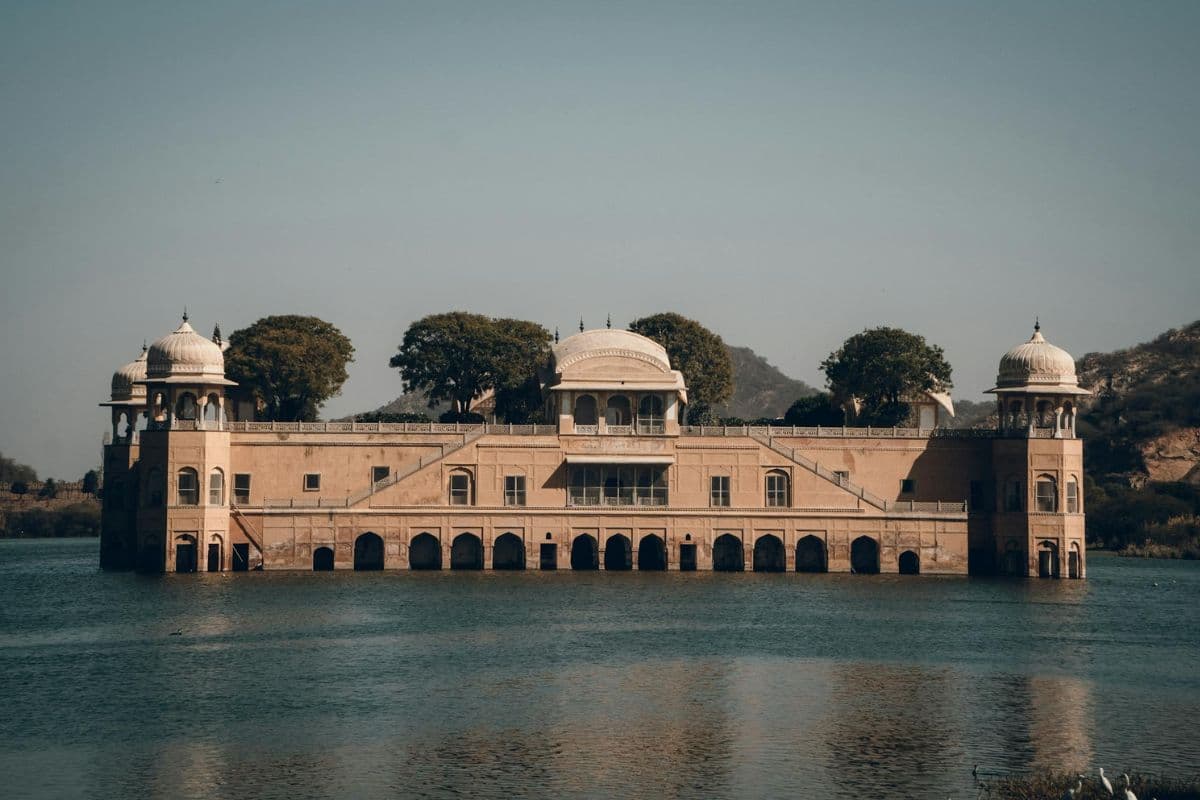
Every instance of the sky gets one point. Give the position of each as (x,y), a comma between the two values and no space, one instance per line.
(787,173)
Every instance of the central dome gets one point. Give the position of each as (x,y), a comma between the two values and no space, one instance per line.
(185,354)
(1036,362)
(609,341)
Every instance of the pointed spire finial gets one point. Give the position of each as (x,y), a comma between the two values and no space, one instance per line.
(556,334)
(144,348)
(216,337)
(1037,324)
(581,324)
(185,314)
(609,323)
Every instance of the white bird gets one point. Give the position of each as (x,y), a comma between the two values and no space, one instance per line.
(1106,783)
(1129,795)
(1070,793)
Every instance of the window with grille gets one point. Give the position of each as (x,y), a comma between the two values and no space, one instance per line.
(312,482)
(514,490)
(460,489)
(1047,494)
(189,487)
(1072,496)
(380,473)
(777,490)
(241,488)
(719,491)
(216,488)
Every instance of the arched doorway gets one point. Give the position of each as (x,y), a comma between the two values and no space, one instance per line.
(215,559)
(652,554)
(508,552)
(727,554)
(864,556)
(1048,560)
(466,552)
(910,563)
(768,554)
(618,553)
(185,553)
(424,552)
(368,552)
(1074,563)
(323,559)
(810,555)
(585,552)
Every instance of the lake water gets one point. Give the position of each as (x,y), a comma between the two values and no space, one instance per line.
(583,684)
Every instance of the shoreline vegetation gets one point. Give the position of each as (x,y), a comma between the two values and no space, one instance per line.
(1055,785)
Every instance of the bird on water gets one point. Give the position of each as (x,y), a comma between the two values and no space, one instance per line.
(1070,793)
(1106,783)
(1129,795)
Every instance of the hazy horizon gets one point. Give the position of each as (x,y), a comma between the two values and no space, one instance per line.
(788,174)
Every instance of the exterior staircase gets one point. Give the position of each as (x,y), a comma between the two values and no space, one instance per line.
(247,528)
(414,467)
(812,466)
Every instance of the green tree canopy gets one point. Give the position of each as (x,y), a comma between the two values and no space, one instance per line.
(49,489)
(11,471)
(292,364)
(457,356)
(880,367)
(814,410)
(698,353)
(91,482)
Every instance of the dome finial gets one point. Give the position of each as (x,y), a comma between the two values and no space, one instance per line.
(581,324)
(1037,324)
(185,314)
(556,334)
(609,323)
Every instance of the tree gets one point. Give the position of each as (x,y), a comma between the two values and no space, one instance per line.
(292,364)
(456,356)
(698,353)
(814,410)
(11,471)
(880,367)
(49,490)
(19,488)
(91,482)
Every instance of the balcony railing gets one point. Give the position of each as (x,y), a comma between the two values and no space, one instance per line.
(585,498)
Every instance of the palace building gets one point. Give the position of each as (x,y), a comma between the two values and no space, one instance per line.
(194,483)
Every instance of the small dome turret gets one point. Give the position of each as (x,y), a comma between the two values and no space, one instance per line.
(185,356)
(1037,364)
(127,382)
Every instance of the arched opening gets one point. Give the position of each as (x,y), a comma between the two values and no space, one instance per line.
(864,556)
(215,558)
(585,552)
(810,555)
(462,488)
(123,426)
(1074,562)
(585,410)
(508,552)
(1014,559)
(216,488)
(1047,559)
(185,553)
(212,410)
(185,406)
(650,414)
(1073,505)
(618,411)
(652,554)
(424,552)
(466,552)
(910,563)
(1046,491)
(189,487)
(323,559)
(618,553)
(368,552)
(768,554)
(778,489)
(727,554)
(158,407)
(687,554)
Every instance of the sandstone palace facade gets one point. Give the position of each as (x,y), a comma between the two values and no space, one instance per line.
(194,483)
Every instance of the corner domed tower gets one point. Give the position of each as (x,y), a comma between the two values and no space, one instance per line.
(183,519)
(1037,461)
(128,399)
(118,523)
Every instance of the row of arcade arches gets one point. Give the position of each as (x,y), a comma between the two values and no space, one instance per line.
(508,553)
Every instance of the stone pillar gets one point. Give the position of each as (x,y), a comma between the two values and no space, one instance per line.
(201,406)
(1058,421)
(220,412)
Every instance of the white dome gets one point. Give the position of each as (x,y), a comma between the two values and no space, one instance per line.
(1036,362)
(126,381)
(185,354)
(609,341)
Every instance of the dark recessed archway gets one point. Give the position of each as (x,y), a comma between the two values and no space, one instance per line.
(466,552)
(768,554)
(618,553)
(910,563)
(810,555)
(728,555)
(508,552)
(652,553)
(368,552)
(864,556)
(323,559)
(585,552)
(424,552)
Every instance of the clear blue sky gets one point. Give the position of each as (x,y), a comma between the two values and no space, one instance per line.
(787,173)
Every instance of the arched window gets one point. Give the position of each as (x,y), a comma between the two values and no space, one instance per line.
(461,490)
(1072,495)
(650,414)
(189,487)
(585,410)
(778,494)
(216,488)
(212,410)
(185,408)
(1047,493)
(617,411)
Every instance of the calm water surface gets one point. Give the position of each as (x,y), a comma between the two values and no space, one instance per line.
(583,685)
